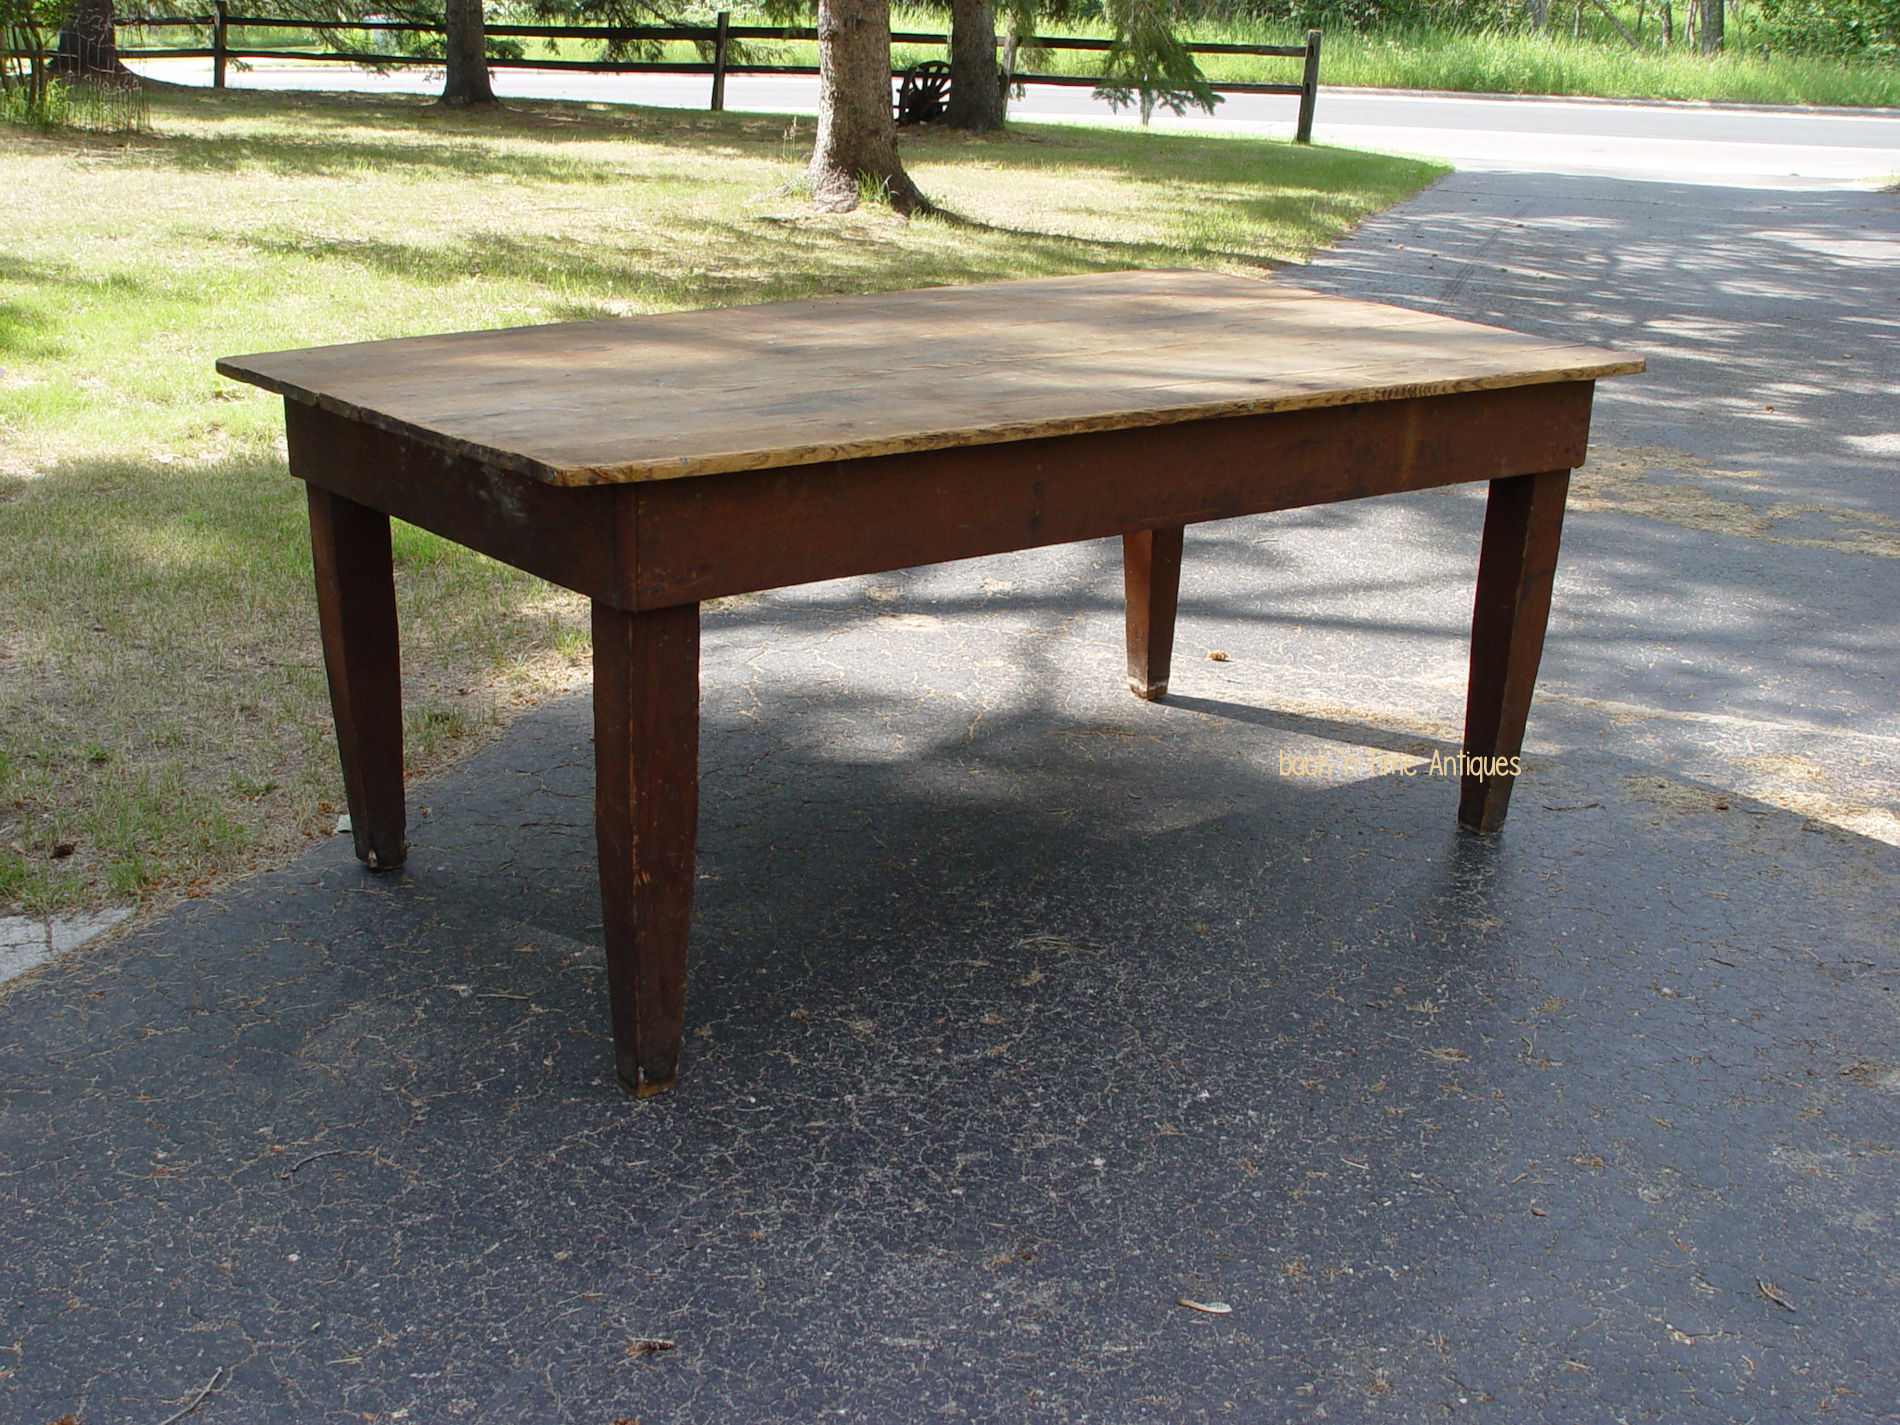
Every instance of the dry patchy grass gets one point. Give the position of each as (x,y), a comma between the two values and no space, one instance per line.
(162,702)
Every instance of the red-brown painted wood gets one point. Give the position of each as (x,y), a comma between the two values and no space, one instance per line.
(714,535)
(356,609)
(524,445)
(1523,526)
(646,822)
(572,537)
(1151,579)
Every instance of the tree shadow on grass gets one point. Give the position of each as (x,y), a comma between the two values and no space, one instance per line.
(336,135)
(328,139)
(734,262)
(1158,156)
(23,331)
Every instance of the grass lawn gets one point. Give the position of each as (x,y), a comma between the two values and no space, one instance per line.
(163,714)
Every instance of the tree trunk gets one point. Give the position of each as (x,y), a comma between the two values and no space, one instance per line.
(466,51)
(857,135)
(89,43)
(976,95)
(1538,12)
(1711,26)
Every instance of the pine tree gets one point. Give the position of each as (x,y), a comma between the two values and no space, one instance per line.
(465,55)
(856,149)
(976,92)
(1148,65)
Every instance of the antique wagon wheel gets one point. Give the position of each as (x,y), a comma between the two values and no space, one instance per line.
(923,95)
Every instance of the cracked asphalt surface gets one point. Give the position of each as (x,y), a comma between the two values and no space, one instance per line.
(1021,1009)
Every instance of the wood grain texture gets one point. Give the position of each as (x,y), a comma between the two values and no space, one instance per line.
(766,529)
(576,538)
(1523,527)
(839,378)
(646,825)
(656,463)
(1151,582)
(356,611)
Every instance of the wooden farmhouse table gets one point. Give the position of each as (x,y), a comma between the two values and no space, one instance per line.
(652,463)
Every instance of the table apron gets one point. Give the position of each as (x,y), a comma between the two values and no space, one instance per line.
(731,534)
(655,544)
(568,536)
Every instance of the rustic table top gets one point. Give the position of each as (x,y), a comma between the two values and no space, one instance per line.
(795,383)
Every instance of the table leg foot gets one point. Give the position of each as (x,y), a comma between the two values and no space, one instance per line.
(646,817)
(1523,525)
(1151,579)
(356,609)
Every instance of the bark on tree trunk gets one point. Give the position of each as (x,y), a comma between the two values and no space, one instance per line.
(1711,26)
(976,98)
(857,136)
(89,43)
(466,52)
(1538,12)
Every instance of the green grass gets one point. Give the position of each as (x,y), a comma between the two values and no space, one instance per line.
(1551,63)
(74,106)
(162,700)
(1594,62)
(1605,67)
(1577,55)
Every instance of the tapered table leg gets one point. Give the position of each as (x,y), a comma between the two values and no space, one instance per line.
(646,820)
(1523,524)
(1151,578)
(356,609)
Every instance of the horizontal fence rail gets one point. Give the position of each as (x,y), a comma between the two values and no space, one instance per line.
(718,38)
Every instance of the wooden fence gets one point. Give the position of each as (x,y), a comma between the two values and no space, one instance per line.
(718,37)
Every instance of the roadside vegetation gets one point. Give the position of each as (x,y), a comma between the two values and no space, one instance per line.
(1591,60)
(1559,64)
(1832,52)
(163,713)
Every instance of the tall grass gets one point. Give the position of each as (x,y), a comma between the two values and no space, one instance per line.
(96,108)
(1490,62)
(1557,63)
(1579,54)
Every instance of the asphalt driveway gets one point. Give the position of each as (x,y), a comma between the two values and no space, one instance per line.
(1022,1010)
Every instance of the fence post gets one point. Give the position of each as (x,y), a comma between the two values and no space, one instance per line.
(1309,89)
(719,61)
(220,43)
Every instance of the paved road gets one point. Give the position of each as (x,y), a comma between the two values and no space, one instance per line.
(1022,1010)
(1683,143)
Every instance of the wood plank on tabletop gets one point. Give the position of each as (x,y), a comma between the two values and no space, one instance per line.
(836,378)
